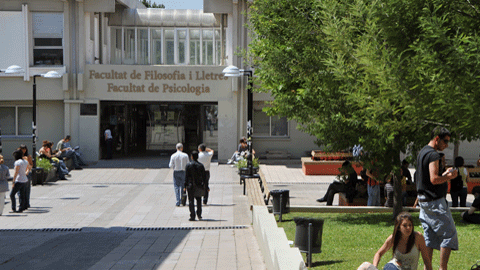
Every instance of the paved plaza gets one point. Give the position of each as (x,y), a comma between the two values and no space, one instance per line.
(121,214)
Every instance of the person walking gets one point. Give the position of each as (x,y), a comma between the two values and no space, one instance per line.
(195,185)
(178,162)
(109,142)
(205,157)
(435,216)
(4,176)
(22,168)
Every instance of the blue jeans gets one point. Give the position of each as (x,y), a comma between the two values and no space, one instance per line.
(178,185)
(71,154)
(463,197)
(373,195)
(438,225)
(20,188)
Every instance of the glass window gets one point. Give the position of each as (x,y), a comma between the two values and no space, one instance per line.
(7,120)
(25,120)
(218,47)
(16,120)
(170,47)
(268,126)
(207,45)
(156,47)
(47,30)
(181,45)
(116,48)
(194,47)
(142,47)
(129,47)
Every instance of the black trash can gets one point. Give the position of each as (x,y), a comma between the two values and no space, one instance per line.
(38,176)
(301,234)
(285,206)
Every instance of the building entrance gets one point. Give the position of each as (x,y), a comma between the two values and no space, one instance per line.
(142,129)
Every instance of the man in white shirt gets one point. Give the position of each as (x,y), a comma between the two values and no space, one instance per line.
(109,142)
(178,162)
(205,157)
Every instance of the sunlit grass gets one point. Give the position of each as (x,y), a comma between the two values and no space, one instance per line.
(350,239)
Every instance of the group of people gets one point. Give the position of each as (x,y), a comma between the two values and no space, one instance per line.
(191,177)
(21,184)
(431,180)
(23,164)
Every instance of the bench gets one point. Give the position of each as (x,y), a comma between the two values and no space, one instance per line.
(254,192)
(325,167)
(264,187)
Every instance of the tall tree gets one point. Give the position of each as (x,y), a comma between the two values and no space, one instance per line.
(377,73)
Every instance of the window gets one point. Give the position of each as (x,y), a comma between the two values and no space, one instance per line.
(194,47)
(129,47)
(142,47)
(165,46)
(181,46)
(157,47)
(207,44)
(268,126)
(47,39)
(16,120)
(170,47)
(88,109)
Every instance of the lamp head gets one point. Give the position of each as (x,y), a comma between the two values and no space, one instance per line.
(14,69)
(52,74)
(231,71)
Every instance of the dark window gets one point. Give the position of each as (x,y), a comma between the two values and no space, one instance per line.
(88,109)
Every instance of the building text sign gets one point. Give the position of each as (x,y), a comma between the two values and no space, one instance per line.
(107,81)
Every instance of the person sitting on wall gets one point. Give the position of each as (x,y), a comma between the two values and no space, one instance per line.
(46,152)
(67,151)
(470,216)
(347,184)
(241,152)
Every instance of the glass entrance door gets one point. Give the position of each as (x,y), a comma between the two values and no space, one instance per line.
(165,126)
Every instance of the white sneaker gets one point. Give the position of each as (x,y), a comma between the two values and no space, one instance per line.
(229,161)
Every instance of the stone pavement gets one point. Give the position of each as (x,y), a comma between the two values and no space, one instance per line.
(121,214)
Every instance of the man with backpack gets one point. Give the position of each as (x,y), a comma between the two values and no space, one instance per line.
(195,185)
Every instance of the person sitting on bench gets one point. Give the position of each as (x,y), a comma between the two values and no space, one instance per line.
(347,184)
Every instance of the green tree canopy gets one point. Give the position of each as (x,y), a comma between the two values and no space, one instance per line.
(381,74)
(148,4)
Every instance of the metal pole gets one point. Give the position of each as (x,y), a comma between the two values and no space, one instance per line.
(34,131)
(281,206)
(249,74)
(309,255)
(0,139)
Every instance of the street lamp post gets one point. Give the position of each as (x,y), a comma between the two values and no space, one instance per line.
(233,71)
(51,75)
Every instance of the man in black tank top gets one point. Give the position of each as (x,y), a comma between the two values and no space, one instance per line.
(435,215)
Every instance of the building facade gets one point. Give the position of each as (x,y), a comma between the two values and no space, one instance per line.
(152,76)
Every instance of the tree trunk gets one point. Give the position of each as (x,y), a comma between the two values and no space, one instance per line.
(397,183)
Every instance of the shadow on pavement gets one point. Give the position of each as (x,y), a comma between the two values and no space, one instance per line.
(95,247)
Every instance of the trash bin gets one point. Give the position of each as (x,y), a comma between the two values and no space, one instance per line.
(301,234)
(38,177)
(285,205)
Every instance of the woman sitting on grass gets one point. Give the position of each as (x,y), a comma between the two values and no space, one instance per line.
(406,243)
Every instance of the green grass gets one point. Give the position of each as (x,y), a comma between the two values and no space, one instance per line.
(350,239)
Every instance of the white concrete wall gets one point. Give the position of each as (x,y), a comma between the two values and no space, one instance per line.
(12,41)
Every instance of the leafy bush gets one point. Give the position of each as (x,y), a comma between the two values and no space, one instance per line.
(242,163)
(45,164)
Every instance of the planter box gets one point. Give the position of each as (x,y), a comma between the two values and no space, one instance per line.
(325,167)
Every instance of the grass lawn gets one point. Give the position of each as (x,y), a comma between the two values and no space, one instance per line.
(350,239)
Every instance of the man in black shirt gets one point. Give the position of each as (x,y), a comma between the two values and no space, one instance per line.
(195,184)
(435,215)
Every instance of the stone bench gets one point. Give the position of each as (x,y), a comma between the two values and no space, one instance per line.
(325,167)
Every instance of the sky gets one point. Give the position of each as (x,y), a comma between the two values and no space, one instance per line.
(181,4)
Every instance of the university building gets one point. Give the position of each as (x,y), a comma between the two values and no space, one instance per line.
(152,76)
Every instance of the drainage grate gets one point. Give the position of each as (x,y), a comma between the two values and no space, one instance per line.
(128,229)
(43,230)
(187,228)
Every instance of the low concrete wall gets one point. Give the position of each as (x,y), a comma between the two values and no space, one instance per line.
(274,243)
